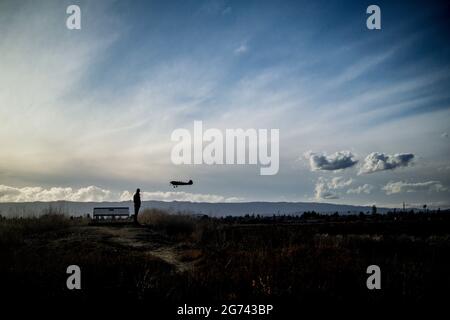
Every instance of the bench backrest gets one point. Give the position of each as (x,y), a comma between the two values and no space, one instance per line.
(111,211)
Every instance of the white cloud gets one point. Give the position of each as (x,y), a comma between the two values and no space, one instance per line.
(322,192)
(401,187)
(227,10)
(96,194)
(179,196)
(336,161)
(326,188)
(444,135)
(379,162)
(366,188)
(339,182)
(29,194)
(241,49)
(215,7)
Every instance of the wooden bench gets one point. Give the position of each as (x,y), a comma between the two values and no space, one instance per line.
(111,214)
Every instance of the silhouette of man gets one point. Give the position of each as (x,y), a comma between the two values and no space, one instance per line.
(137,204)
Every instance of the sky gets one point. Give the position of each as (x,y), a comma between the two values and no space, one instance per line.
(363,115)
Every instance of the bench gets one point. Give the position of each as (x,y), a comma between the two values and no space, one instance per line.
(111,214)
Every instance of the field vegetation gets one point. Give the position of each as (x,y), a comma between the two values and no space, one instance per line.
(181,257)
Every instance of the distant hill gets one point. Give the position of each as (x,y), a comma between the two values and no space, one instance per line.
(211,209)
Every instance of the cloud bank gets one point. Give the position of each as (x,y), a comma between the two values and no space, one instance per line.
(96,194)
(365,188)
(375,162)
(29,194)
(179,196)
(337,161)
(401,187)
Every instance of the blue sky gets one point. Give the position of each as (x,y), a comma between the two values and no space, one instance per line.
(87,114)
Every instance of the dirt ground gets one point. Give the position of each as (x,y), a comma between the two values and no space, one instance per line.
(140,239)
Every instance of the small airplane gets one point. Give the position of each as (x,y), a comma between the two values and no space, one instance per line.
(175,184)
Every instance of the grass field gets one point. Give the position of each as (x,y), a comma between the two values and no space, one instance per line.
(181,258)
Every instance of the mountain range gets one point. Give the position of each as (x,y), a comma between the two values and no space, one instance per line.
(210,209)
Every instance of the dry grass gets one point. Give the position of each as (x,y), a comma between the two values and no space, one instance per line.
(175,225)
(280,262)
(235,261)
(16,230)
(191,255)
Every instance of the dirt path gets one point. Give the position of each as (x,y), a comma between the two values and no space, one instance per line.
(145,240)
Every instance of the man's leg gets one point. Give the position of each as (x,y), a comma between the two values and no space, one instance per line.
(136,211)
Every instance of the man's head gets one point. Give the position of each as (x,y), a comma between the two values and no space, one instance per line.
(138,190)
